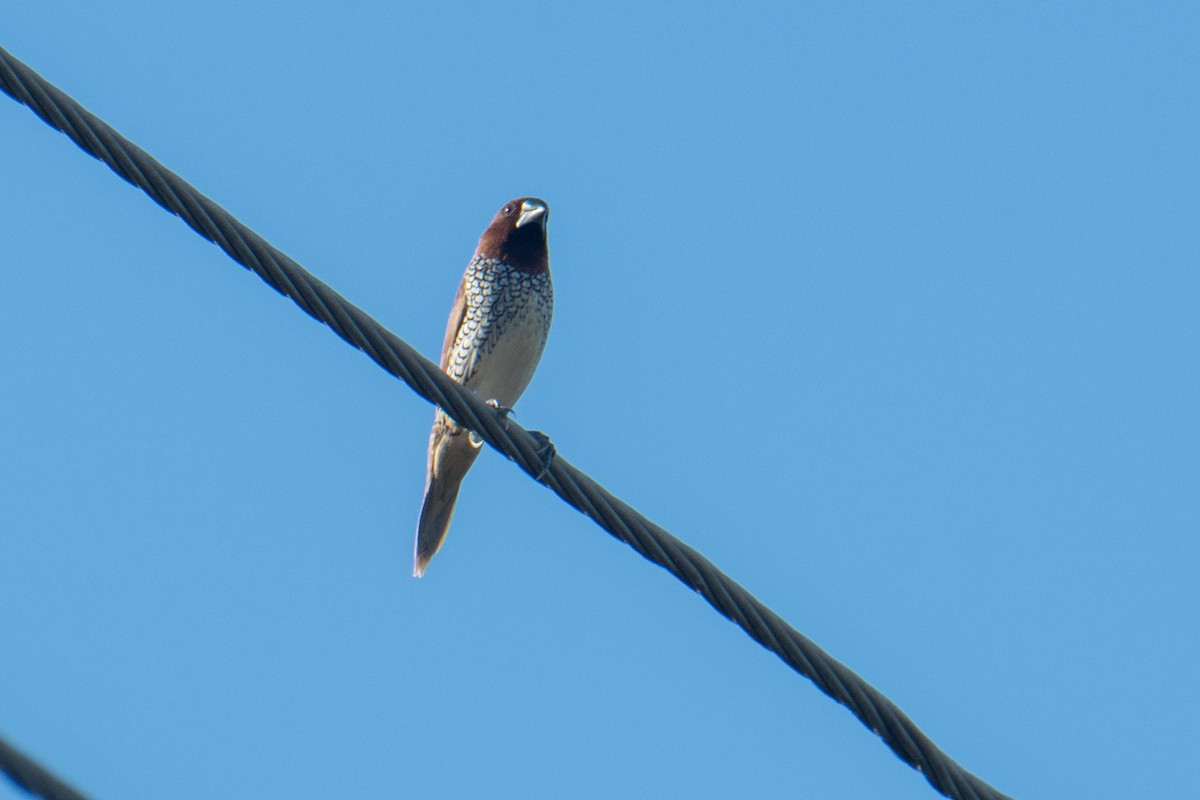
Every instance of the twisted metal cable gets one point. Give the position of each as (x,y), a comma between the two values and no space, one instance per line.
(399,359)
(32,776)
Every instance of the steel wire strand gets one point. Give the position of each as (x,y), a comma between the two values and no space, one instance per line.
(580,491)
(33,777)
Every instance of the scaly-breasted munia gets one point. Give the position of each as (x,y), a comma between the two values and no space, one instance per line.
(494,339)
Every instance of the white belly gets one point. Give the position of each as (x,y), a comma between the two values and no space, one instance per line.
(503,369)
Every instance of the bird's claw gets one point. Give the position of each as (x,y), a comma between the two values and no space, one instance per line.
(504,412)
(546,451)
(501,411)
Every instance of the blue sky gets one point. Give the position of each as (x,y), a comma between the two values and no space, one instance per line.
(892,311)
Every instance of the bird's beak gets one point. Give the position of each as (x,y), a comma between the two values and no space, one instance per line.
(532,211)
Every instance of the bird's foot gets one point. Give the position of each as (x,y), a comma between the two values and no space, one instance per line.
(502,411)
(546,451)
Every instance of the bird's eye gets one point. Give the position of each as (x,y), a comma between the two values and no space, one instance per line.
(507,210)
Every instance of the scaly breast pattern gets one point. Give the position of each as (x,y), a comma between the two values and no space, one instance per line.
(503,331)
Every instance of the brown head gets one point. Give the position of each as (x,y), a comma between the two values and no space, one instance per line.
(517,235)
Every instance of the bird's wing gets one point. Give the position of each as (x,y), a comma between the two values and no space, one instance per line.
(457,312)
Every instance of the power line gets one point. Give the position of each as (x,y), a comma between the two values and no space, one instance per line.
(353,325)
(32,776)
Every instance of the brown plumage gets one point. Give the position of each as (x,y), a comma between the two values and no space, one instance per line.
(494,339)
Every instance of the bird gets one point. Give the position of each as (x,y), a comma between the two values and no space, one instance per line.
(494,339)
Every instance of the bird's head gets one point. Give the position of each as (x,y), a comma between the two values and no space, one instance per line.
(517,235)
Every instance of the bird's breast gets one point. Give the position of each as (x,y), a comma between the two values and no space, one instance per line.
(504,330)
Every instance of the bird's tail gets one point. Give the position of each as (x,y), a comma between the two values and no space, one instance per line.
(451,454)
